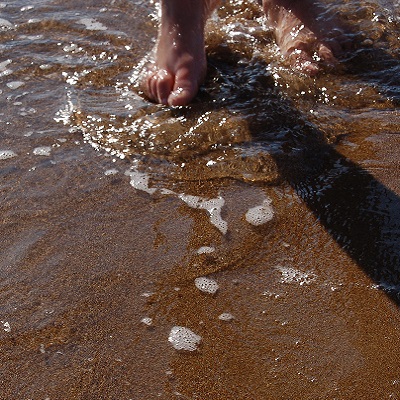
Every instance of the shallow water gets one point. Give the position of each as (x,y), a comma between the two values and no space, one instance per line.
(280,190)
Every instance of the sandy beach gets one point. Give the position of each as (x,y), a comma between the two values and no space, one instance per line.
(286,205)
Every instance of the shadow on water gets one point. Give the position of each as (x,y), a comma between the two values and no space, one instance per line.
(359,212)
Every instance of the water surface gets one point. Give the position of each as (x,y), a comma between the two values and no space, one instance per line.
(113,206)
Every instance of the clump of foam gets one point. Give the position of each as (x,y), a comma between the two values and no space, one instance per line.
(259,215)
(183,338)
(6,326)
(112,171)
(146,321)
(140,181)
(205,250)
(4,71)
(226,317)
(15,84)
(206,285)
(5,24)
(92,24)
(213,206)
(290,275)
(42,151)
(4,154)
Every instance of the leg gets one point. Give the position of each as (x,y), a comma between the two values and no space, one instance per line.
(180,65)
(302,34)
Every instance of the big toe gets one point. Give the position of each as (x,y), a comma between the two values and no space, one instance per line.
(184,91)
(303,62)
(181,96)
(327,54)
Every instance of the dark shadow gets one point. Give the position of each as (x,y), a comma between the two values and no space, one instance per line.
(377,67)
(359,212)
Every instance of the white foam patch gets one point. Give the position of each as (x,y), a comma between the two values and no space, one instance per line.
(112,171)
(42,151)
(4,24)
(92,24)
(259,215)
(292,275)
(4,154)
(4,64)
(15,84)
(146,321)
(226,317)
(183,338)
(213,206)
(140,181)
(205,250)
(206,285)
(6,326)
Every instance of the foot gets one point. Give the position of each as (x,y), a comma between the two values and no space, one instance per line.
(306,38)
(179,65)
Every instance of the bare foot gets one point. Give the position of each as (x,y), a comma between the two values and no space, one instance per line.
(304,34)
(179,65)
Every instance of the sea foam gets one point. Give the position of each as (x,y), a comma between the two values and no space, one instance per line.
(4,154)
(206,285)
(213,206)
(259,215)
(183,338)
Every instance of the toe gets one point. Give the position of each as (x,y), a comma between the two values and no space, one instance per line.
(184,90)
(151,91)
(303,62)
(158,86)
(164,86)
(326,54)
(181,97)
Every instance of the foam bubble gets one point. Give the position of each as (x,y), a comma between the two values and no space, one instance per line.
(6,326)
(92,24)
(290,275)
(259,215)
(140,181)
(15,84)
(4,154)
(217,221)
(147,294)
(213,206)
(183,338)
(3,64)
(206,285)
(226,317)
(42,151)
(112,171)
(205,250)
(146,321)
(4,24)
(191,201)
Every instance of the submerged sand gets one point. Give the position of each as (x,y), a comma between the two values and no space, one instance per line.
(99,255)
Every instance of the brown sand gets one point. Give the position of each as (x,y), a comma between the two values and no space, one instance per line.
(85,257)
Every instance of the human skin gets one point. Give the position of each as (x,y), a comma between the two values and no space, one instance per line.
(179,65)
(304,34)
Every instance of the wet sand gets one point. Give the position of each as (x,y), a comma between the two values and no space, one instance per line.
(96,267)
